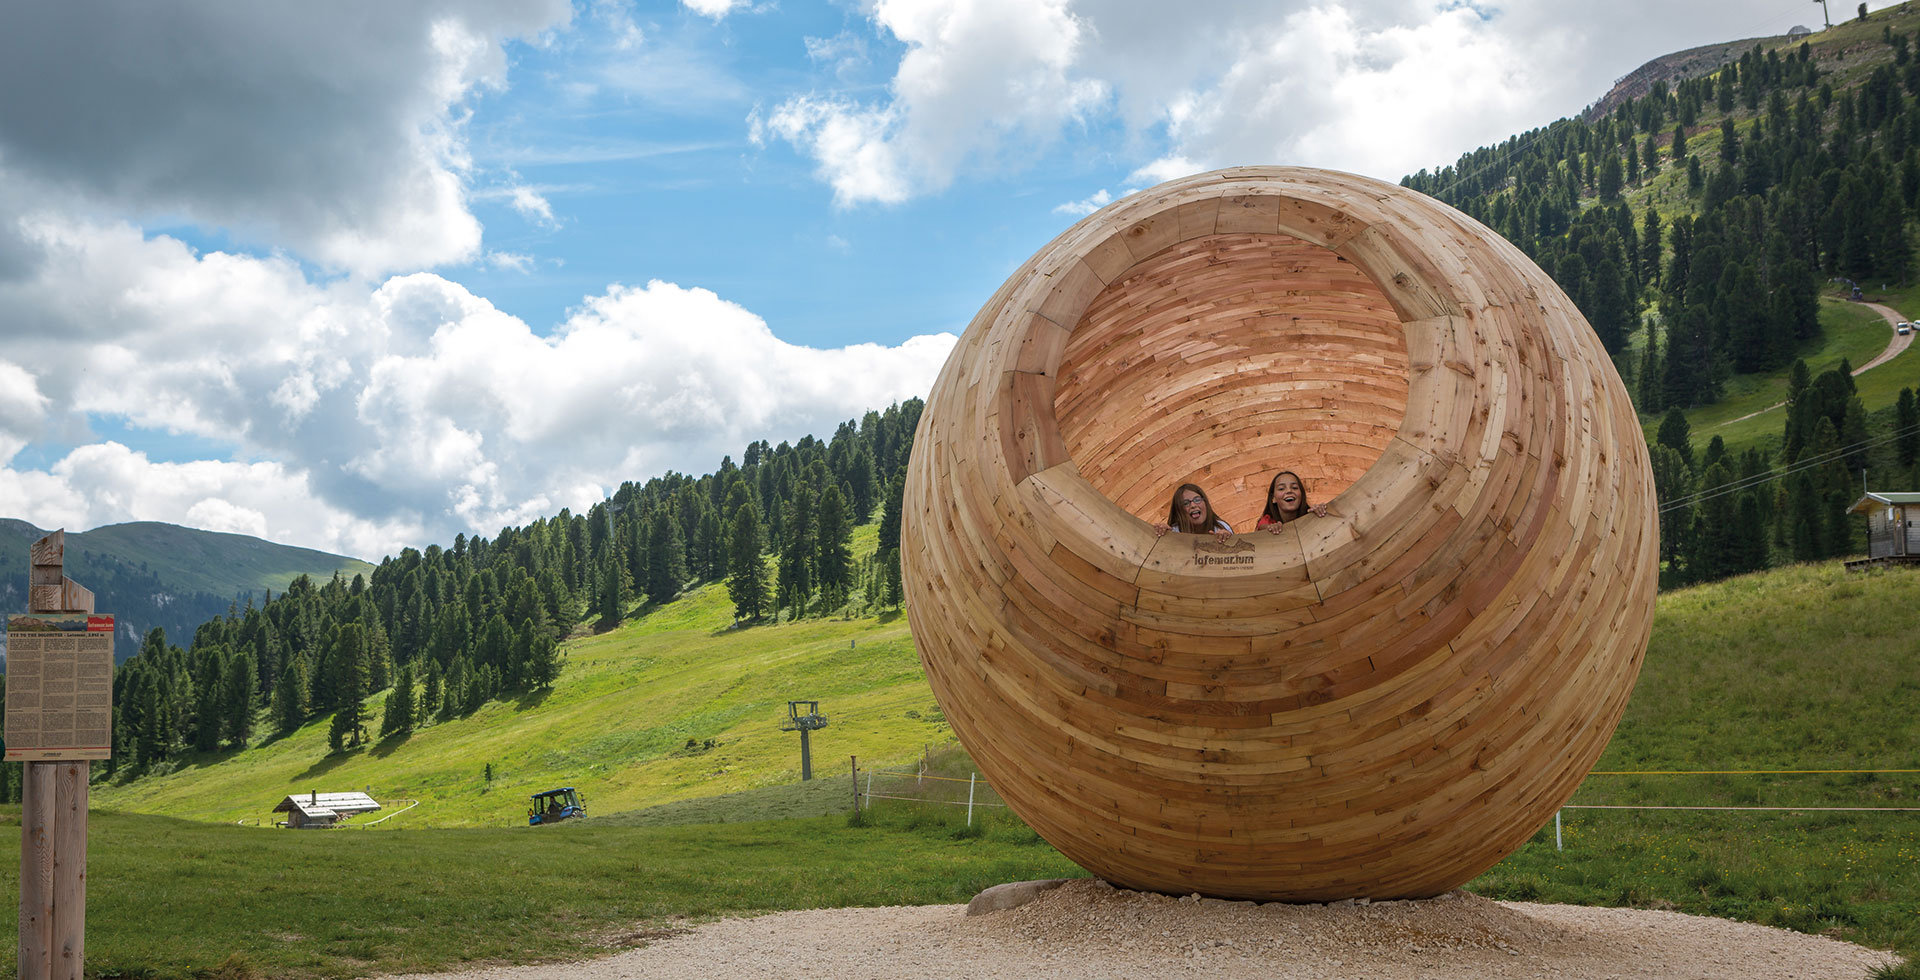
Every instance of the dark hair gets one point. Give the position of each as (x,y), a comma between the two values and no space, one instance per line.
(1174,517)
(1272,510)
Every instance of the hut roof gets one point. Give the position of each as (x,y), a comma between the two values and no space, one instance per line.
(311,805)
(1882,498)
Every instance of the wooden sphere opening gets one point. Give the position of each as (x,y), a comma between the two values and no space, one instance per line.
(1224,360)
(1383,701)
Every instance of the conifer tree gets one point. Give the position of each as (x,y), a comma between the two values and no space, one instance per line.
(237,700)
(398,719)
(747,583)
(1906,429)
(1672,482)
(1676,434)
(794,582)
(207,716)
(833,555)
(433,698)
(290,696)
(542,663)
(348,661)
(666,558)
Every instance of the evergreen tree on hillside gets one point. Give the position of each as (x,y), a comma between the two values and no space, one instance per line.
(1672,481)
(433,697)
(398,718)
(747,585)
(666,558)
(710,546)
(1676,434)
(543,665)
(610,597)
(207,717)
(794,582)
(237,700)
(1906,428)
(290,697)
(348,664)
(833,554)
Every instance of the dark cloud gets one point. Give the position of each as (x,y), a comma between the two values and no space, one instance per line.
(322,126)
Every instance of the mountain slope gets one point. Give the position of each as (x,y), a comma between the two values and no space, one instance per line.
(151,574)
(627,723)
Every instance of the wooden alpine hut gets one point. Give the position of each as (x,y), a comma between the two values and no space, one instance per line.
(319,811)
(1892,535)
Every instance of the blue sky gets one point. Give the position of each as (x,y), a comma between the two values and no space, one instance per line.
(360,276)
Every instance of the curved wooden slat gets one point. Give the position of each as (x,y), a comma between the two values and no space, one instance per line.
(1381,702)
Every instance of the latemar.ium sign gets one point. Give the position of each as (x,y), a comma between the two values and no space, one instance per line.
(1207,553)
(59,687)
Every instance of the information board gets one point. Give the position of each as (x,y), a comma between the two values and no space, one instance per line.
(59,687)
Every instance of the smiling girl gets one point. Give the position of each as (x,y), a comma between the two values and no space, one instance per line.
(1191,513)
(1287,501)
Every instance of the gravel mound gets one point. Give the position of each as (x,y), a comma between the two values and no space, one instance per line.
(1088,929)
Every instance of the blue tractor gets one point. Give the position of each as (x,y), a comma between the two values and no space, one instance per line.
(555,805)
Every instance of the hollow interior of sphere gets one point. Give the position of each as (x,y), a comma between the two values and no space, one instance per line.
(1223,360)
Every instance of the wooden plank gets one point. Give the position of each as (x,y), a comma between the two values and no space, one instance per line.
(69,938)
(36,870)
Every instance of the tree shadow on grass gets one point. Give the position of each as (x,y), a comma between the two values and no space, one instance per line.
(386,746)
(528,700)
(888,616)
(741,624)
(202,760)
(327,763)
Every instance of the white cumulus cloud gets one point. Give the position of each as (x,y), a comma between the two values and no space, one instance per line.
(977,75)
(393,415)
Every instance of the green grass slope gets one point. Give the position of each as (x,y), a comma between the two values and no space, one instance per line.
(1800,668)
(616,725)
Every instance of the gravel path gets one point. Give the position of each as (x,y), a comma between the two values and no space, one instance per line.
(1088,929)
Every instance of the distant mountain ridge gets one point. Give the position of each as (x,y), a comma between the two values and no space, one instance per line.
(1671,68)
(152,574)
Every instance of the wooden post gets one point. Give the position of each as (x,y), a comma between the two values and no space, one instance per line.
(53,813)
(854,762)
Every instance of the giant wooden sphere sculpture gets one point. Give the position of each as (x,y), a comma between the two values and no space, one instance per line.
(1380,702)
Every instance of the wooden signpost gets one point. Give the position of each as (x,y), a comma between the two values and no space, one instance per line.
(59,716)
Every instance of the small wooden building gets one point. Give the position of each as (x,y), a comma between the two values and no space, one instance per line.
(1893,528)
(318,811)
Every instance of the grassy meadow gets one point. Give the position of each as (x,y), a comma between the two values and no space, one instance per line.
(1798,668)
(1852,332)
(628,723)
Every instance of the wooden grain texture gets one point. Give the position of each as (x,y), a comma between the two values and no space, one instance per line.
(36,871)
(69,941)
(1380,702)
(53,811)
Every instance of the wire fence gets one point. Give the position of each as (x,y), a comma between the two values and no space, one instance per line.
(1559,843)
(921,787)
(927,788)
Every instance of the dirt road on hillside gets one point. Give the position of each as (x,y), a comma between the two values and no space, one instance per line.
(1087,929)
(1895,347)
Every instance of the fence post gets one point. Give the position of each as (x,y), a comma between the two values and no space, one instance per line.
(970,778)
(1556,832)
(869,784)
(854,761)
